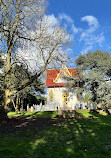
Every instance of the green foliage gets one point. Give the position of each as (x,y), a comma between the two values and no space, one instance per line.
(19,74)
(96,75)
(97,59)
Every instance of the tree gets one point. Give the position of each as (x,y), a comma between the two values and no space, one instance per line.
(22,22)
(95,68)
(2,112)
(18,75)
(16,15)
(1,61)
(1,77)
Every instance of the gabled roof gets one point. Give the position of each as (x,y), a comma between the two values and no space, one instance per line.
(54,74)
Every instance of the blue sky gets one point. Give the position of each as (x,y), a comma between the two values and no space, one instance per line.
(88,20)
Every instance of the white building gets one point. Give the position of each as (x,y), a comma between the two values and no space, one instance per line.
(58,96)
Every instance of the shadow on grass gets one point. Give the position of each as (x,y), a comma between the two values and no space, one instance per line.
(59,138)
(44,114)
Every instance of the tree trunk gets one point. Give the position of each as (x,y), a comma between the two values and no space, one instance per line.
(16,109)
(3,113)
(15,105)
(21,105)
(7,91)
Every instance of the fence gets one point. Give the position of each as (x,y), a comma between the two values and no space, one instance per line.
(41,108)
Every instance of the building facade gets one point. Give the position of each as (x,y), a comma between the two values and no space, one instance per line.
(58,95)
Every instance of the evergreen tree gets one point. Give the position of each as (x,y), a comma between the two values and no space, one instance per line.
(95,73)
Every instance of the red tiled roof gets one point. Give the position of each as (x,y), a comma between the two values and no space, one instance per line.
(52,74)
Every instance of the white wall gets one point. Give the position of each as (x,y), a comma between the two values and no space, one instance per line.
(58,97)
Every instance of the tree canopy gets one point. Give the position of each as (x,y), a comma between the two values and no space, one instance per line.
(27,34)
(95,68)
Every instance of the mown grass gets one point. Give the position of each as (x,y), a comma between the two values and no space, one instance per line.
(47,114)
(72,138)
(28,114)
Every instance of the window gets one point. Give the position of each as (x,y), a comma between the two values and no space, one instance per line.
(65,98)
(51,95)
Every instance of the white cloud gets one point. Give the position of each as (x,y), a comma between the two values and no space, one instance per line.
(51,20)
(69,23)
(88,37)
(92,21)
(99,39)
(86,49)
(90,41)
(49,34)
(65,17)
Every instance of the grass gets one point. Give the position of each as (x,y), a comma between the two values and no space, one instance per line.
(58,138)
(84,112)
(26,114)
(87,113)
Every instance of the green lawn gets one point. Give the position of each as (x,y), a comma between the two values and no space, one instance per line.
(48,137)
(29,115)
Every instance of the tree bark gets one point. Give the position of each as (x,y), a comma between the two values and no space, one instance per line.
(16,109)
(7,91)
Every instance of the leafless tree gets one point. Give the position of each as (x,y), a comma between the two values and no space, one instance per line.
(24,26)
